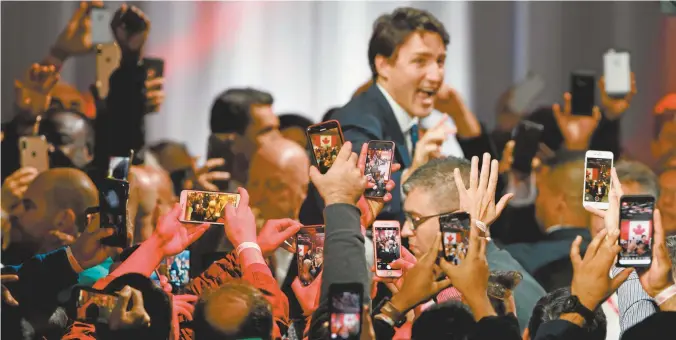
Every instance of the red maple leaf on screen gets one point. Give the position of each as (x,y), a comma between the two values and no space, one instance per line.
(639,230)
(326,141)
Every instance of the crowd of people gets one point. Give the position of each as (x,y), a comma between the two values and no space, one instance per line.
(378,163)
(293,221)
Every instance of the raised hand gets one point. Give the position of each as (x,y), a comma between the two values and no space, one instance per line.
(611,218)
(275,232)
(658,277)
(371,207)
(76,38)
(130,27)
(34,91)
(15,186)
(175,236)
(87,248)
(205,176)
(136,317)
(577,130)
(479,199)
(614,107)
(344,182)
(591,282)
(240,225)
(429,146)
(6,295)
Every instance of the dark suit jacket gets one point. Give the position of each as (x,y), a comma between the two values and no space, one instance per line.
(366,117)
(549,260)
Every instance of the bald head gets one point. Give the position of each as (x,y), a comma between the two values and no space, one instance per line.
(278,178)
(67,188)
(150,188)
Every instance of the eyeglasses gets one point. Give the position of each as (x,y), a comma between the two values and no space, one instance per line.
(417,221)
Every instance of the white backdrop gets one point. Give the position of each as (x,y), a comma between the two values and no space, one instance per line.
(312,55)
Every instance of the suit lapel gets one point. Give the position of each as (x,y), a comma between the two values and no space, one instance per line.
(392,128)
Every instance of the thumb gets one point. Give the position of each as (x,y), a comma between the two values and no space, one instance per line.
(315,175)
(620,278)
(289,232)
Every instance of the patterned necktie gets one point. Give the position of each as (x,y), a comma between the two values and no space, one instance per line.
(414,138)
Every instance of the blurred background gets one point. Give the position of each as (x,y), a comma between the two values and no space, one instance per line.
(312,55)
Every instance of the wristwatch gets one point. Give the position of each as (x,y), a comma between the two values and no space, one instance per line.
(573,305)
(387,309)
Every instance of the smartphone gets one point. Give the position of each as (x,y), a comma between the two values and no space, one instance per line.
(118,167)
(177,270)
(154,67)
(92,306)
(378,167)
(326,140)
(583,92)
(617,73)
(346,309)
(220,146)
(100,26)
(113,197)
(387,244)
(526,137)
(34,152)
(310,253)
(108,57)
(206,206)
(636,231)
(454,229)
(597,179)
(525,92)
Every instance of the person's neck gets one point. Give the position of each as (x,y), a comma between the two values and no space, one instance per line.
(386,86)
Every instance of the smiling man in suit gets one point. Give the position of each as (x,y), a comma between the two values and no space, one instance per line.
(407,53)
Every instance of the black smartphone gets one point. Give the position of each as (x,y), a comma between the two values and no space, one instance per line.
(326,139)
(220,146)
(346,309)
(113,197)
(91,306)
(378,167)
(154,67)
(177,270)
(118,167)
(454,229)
(583,92)
(636,231)
(310,253)
(526,141)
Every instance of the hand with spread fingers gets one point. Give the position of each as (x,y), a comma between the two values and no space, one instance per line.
(658,277)
(344,182)
(175,236)
(371,207)
(205,176)
(614,107)
(275,232)
(591,282)
(34,91)
(479,199)
(124,318)
(577,130)
(76,38)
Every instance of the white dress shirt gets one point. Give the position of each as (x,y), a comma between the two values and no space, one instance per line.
(406,121)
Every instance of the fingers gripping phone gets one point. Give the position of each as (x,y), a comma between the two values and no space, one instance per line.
(597,179)
(636,231)
(527,137)
(118,167)
(91,306)
(310,253)
(34,152)
(113,198)
(176,269)
(617,73)
(326,139)
(378,167)
(205,206)
(455,228)
(387,244)
(583,92)
(346,310)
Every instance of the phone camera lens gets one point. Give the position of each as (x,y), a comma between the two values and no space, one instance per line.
(34,154)
(108,60)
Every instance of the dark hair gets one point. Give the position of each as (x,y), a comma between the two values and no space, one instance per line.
(550,307)
(231,111)
(436,177)
(637,172)
(390,31)
(451,320)
(218,305)
(287,120)
(329,113)
(156,303)
(48,129)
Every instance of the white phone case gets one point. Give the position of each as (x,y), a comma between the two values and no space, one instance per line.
(100,26)
(617,73)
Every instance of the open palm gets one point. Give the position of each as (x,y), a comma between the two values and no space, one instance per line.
(175,235)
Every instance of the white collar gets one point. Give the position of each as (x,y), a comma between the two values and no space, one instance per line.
(556,228)
(405,120)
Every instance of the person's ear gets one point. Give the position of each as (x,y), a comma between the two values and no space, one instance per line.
(66,221)
(383,66)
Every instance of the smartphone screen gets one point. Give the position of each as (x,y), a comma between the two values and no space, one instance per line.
(378,167)
(113,196)
(154,67)
(636,231)
(346,309)
(583,92)
(387,241)
(118,168)
(526,141)
(177,270)
(94,307)
(455,229)
(326,139)
(206,206)
(310,253)
(100,26)
(597,178)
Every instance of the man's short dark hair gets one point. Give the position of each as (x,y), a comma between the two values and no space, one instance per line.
(219,307)
(550,307)
(231,111)
(436,176)
(288,120)
(451,320)
(390,31)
